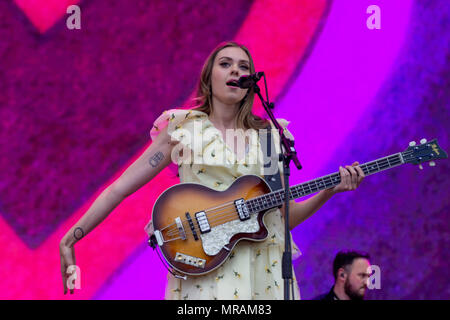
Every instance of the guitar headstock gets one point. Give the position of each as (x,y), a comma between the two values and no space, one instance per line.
(424,152)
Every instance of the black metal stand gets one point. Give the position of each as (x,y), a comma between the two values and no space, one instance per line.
(288,154)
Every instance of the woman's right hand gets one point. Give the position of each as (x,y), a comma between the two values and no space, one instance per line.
(67,259)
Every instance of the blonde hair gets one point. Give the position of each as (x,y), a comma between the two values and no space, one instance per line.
(203,100)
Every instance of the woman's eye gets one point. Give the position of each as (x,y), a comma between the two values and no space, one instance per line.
(226,64)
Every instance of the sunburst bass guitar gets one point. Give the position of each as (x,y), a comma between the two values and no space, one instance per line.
(196,227)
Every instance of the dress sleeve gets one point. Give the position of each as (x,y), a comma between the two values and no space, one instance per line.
(182,126)
(276,137)
(174,120)
(284,123)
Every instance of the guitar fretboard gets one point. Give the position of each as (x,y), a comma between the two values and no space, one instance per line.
(276,198)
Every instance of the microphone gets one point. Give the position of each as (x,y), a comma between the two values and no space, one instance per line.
(246,82)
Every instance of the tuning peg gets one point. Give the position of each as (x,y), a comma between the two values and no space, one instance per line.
(423,141)
(420,167)
(412,143)
(432,163)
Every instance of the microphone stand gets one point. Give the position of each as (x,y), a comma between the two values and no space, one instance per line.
(287,155)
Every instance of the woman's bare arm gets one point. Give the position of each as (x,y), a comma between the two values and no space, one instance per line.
(155,158)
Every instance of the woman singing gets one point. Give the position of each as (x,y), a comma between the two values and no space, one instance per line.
(253,270)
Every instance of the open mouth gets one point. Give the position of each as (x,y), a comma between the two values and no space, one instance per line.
(232,83)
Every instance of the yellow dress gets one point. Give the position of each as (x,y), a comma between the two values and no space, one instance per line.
(253,270)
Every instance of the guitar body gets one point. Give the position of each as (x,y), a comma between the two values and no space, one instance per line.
(211,249)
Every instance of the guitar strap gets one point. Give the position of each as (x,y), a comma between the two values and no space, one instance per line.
(271,158)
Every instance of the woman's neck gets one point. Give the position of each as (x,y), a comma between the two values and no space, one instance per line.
(223,115)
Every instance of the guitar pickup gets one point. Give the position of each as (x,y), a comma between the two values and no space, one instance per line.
(189,260)
(242,209)
(203,222)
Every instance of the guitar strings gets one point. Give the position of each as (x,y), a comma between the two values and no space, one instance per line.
(223,218)
(216,214)
(190,232)
(212,219)
(218,209)
(218,218)
(213,209)
(219,212)
(221,215)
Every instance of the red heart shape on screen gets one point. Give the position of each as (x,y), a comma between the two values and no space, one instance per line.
(44,13)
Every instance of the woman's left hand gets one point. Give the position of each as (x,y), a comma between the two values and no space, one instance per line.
(351,178)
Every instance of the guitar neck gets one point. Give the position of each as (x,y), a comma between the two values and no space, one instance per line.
(276,198)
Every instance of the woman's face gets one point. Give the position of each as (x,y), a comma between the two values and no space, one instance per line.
(230,63)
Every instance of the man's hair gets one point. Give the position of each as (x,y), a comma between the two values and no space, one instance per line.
(345,258)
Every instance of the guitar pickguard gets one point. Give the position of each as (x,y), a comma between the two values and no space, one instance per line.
(220,235)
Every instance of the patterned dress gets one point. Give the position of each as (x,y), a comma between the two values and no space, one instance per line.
(253,270)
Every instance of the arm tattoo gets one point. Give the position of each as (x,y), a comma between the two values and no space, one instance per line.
(156,159)
(78,233)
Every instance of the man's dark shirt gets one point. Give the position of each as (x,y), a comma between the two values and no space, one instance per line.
(330,296)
